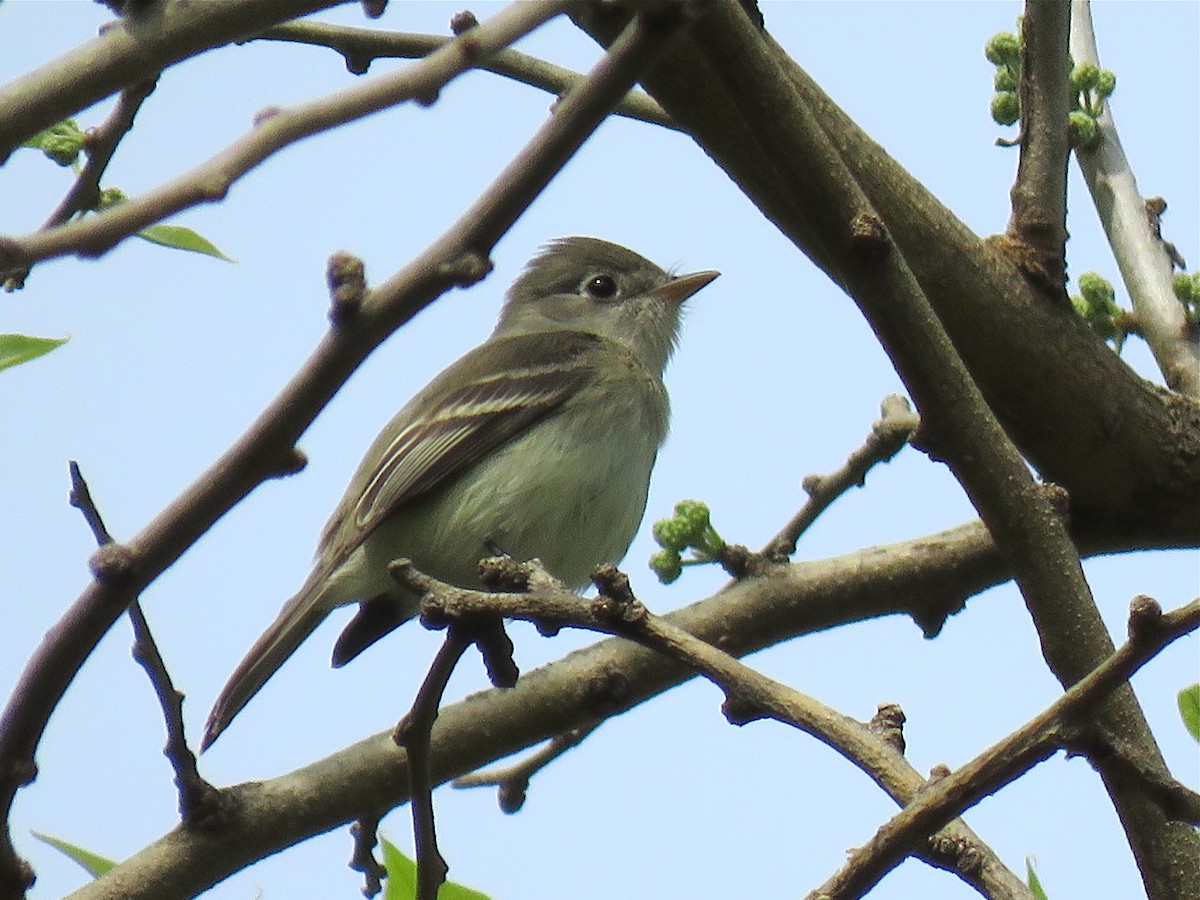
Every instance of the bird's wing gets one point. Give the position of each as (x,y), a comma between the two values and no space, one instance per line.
(446,429)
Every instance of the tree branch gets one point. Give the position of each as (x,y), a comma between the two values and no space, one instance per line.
(1000,764)
(134,49)
(100,144)
(1146,266)
(922,578)
(413,734)
(889,434)
(199,801)
(898,252)
(280,128)
(361,46)
(1039,195)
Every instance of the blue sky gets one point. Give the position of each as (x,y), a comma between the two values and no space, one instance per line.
(777,376)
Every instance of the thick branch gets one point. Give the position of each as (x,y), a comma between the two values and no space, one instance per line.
(922,578)
(773,130)
(1124,450)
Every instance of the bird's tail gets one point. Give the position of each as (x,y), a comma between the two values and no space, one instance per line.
(296,621)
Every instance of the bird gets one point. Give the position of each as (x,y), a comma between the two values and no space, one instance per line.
(539,442)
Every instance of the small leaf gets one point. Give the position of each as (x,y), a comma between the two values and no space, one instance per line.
(18,348)
(1189,709)
(95,864)
(401,883)
(1035,886)
(179,238)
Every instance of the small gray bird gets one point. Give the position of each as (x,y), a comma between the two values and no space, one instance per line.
(539,442)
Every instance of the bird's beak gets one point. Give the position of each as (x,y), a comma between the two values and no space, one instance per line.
(680,288)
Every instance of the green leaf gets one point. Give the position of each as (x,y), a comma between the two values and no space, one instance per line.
(95,864)
(179,238)
(18,348)
(1189,709)
(401,883)
(1035,886)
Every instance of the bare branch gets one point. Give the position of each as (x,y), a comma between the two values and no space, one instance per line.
(896,424)
(512,782)
(365,833)
(280,128)
(413,734)
(360,46)
(129,52)
(1000,764)
(749,694)
(199,801)
(1039,195)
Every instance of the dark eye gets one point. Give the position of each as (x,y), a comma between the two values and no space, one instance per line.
(602,287)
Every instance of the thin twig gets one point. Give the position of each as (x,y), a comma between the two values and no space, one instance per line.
(1000,764)
(365,833)
(199,801)
(360,46)
(896,424)
(101,144)
(413,734)
(512,782)
(210,181)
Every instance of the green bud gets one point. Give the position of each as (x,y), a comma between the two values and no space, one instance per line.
(1187,287)
(111,197)
(62,148)
(667,566)
(1004,49)
(1004,79)
(1098,306)
(694,516)
(1082,127)
(1106,82)
(1006,108)
(1084,76)
(1097,290)
(671,534)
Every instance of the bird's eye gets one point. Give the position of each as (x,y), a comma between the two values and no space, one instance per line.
(601,287)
